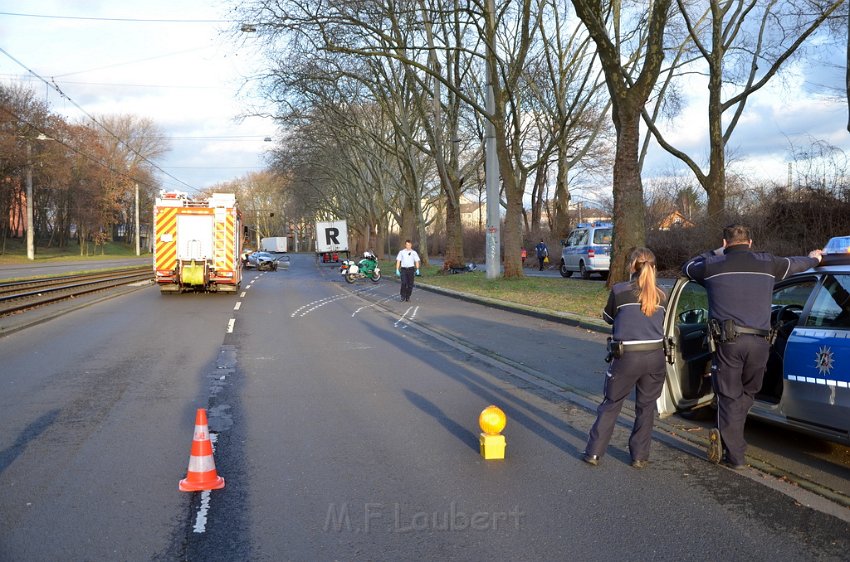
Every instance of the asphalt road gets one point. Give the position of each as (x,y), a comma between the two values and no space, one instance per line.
(346,427)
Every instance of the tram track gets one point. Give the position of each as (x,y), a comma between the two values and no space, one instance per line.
(17,296)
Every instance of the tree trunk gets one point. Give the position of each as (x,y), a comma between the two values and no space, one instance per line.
(561,222)
(454,233)
(629,212)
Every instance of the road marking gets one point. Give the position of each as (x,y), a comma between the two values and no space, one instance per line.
(403,320)
(230,324)
(242,296)
(311,306)
(376,303)
(237,306)
(203,509)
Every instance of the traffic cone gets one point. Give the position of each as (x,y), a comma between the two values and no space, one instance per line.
(201,474)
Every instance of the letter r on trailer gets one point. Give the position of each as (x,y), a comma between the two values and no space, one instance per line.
(332,235)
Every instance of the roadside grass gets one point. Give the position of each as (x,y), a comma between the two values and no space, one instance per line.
(15,252)
(559,294)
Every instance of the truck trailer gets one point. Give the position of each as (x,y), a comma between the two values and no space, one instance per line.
(331,240)
(198,243)
(275,244)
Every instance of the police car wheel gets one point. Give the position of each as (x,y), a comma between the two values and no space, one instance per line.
(564,271)
(585,274)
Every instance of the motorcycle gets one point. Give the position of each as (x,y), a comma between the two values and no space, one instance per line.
(366,267)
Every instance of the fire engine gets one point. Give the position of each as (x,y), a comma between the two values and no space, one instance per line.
(198,243)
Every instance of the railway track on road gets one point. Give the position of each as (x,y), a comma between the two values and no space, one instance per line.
(17,296)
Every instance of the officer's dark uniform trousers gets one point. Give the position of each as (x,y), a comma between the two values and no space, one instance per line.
(407,274)
(642,370)
(739,284)
(746,355)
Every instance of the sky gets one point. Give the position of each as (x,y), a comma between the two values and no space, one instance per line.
(188,76)
(185,75)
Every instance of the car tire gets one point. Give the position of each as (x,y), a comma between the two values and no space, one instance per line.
(585,274)
(564,271)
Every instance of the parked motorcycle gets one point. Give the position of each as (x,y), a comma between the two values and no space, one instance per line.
(366,267)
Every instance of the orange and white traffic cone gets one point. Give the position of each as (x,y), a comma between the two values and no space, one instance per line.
(201,474)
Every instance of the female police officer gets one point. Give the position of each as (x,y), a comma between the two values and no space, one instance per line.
(636,309)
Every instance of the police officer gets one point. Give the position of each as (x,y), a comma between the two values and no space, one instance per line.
(406,266)
(739,283)
(636,309)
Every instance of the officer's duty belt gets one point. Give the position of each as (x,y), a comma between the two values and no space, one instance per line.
(642,346)
(751,331)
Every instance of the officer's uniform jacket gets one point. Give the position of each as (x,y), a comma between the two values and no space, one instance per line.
(740,282)
(631,326)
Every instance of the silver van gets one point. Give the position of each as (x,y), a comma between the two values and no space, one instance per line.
(587,250)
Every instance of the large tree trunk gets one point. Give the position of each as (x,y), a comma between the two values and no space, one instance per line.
(629,212)
(561,222)
(454,233)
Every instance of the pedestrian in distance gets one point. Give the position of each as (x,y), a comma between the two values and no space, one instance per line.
(739,283)
(636,310)
(542,253)
(523,254)
(406,266)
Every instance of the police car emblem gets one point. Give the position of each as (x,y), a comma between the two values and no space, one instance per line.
(824,360)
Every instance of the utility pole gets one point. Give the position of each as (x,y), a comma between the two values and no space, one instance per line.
(491,163)
(138,248)
(30,220)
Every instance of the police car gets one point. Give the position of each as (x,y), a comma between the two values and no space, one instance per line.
(587,250)
(807,381)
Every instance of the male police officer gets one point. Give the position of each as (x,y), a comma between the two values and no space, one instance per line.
(739,283)
(406,265)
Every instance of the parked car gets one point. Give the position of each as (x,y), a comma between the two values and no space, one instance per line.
(587,250)
(807,381)
(263,261)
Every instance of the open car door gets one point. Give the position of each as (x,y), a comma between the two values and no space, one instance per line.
(688,382)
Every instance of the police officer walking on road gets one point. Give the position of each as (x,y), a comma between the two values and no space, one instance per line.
(406,266)
(739,283)
(636,309)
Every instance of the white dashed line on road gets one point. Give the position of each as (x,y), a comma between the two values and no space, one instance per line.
(230,324)
(237,306)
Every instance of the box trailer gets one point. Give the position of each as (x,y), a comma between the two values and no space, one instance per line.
(276,244)
(331,240)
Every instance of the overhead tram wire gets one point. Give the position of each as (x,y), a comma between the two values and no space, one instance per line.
(98,123)
(90,18)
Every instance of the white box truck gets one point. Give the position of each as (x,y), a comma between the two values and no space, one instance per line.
(275,244)
(331,240)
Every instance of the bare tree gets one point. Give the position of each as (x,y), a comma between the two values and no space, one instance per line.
(628,97)
(742,45)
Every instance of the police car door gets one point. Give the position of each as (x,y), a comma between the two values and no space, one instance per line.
(687,385)
(817,359)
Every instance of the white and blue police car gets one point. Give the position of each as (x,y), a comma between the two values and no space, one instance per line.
(807,380)
(587,250)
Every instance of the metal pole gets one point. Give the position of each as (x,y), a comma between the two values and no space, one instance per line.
(491,163)
(30,220)
(138,242)
(258,228)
